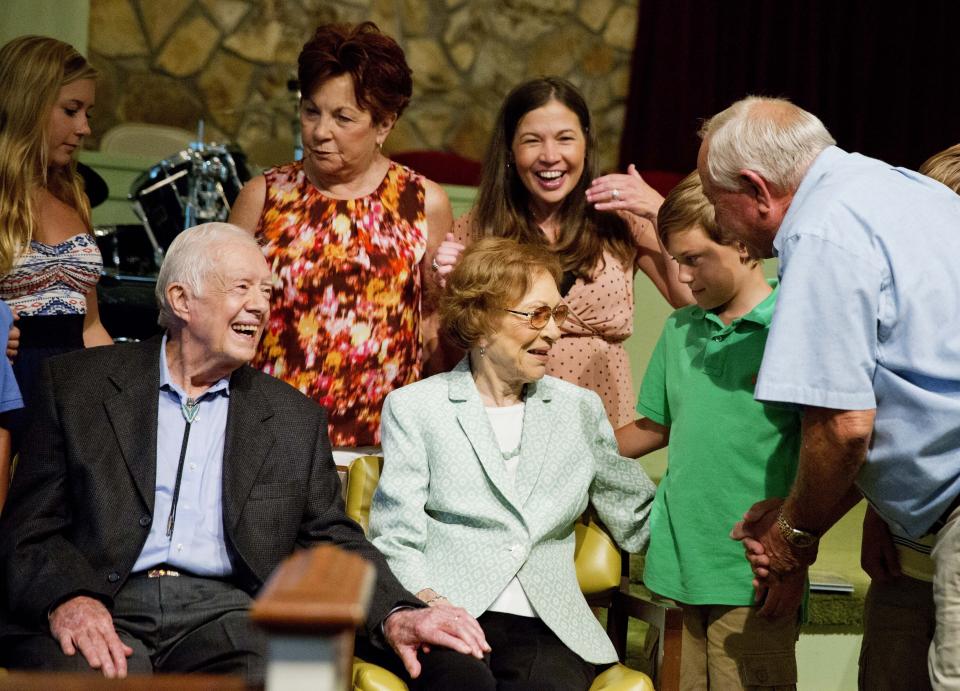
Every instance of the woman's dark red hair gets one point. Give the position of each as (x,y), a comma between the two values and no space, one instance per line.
(381,77)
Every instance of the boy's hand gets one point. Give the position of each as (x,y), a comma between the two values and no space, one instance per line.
(783,594)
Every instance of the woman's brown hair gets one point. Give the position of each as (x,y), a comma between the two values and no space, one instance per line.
(503,208)
(381,77)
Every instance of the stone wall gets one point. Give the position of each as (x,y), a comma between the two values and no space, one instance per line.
(172,62)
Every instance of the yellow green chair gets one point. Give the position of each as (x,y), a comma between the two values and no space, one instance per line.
(603,577)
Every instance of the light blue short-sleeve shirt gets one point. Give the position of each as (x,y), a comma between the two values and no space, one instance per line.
(869,317)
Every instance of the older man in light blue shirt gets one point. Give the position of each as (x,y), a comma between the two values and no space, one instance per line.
(866,337)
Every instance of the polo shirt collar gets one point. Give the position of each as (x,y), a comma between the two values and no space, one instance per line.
(762,314)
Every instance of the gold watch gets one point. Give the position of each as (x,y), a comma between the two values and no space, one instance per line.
(795,536)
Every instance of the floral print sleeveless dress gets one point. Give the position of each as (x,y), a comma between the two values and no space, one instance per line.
(344,324)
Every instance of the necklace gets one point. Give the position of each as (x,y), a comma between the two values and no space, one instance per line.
(190,409)
(507,455)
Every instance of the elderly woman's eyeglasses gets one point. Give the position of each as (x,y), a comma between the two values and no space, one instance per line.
(539,317)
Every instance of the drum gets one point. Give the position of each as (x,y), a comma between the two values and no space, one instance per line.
(196,185)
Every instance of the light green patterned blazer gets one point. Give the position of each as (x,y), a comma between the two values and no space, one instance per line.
(447,517)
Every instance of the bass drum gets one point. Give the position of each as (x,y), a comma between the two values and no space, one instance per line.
(161,194)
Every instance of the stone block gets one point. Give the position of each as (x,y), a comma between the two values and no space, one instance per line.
(226,13)
(594,13)
(598,60)
(115,30)
(622,28)
(159,18)
(159,99)
(189,47)
(255,41)
(431,70)
(404,137)
(463,55)
(225,85)
(471,133)
(560,51)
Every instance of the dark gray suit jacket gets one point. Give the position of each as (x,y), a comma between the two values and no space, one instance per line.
(81,502)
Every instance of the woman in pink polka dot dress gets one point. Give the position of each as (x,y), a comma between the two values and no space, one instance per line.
(536,188)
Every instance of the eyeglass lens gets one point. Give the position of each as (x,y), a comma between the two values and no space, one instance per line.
(540,316)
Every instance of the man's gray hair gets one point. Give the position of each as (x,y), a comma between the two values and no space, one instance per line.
(191,259)
(770,136)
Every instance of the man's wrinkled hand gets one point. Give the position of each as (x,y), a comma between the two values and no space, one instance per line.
(85,624)
(764,544)
(409,630)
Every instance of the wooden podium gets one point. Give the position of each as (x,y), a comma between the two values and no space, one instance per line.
(310,608)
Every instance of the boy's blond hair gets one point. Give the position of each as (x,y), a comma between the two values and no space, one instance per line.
(685,207)
(944,167)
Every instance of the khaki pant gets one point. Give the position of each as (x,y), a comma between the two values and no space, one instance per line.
(943,661)
(734,648)
(898,622)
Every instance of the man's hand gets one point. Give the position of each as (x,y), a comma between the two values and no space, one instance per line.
(84,623)
(408,630)
(766,550)
(878,556)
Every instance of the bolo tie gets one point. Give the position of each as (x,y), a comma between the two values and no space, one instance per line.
(190,408)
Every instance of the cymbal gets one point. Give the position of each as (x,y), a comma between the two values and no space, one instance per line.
(94,186)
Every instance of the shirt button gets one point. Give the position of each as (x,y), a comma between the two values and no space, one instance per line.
(193,466)
(113,577)
(145,521)
(179,548)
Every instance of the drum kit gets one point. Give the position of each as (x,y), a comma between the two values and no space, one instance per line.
(196,185)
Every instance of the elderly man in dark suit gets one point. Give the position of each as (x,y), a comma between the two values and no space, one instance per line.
(164,481)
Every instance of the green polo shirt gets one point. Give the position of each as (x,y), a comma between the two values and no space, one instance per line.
(726,451)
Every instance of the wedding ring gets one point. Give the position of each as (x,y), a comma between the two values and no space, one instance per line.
(435,266)
(615,194)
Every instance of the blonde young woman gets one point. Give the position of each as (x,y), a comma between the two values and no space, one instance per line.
(49,261)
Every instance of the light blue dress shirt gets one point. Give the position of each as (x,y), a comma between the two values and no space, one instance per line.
(197,544)
(869,317)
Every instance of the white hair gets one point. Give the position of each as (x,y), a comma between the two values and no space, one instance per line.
(770,136)
(191,259)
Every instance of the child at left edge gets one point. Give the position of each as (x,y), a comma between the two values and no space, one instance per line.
(725,450)
(9,400)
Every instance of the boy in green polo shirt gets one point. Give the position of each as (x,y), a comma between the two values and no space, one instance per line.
(724,450)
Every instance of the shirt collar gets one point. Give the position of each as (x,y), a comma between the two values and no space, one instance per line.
(821,165)
(167,383)
(762,314)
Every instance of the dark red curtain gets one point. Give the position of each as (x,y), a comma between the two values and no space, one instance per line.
(883,77)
